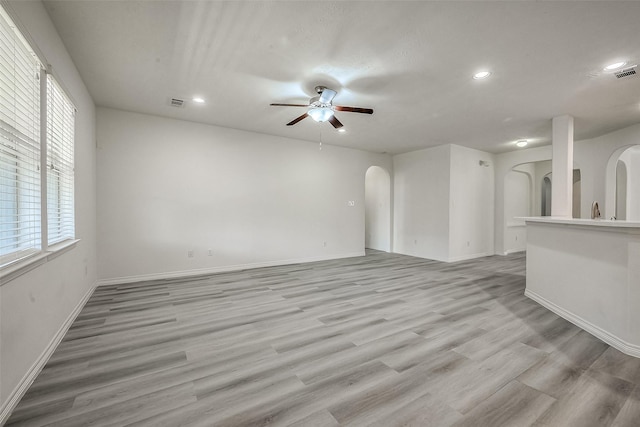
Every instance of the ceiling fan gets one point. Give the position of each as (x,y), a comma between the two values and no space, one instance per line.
(320,108)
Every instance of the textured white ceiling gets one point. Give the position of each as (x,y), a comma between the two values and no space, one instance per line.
(411,62)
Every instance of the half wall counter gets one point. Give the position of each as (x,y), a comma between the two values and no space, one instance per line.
(588,271)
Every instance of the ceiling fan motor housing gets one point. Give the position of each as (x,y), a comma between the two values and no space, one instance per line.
(321,108)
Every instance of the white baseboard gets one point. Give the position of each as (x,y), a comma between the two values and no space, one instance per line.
(467,257)
(220,269)
(514,251)
(612,340)
(18,392)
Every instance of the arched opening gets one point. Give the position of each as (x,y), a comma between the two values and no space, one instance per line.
(518,203)
(527,192)
(623,184)
(546,189)
(545,201)
(377,213)
(577,193)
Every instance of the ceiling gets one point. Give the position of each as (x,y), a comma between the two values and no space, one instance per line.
(412,62)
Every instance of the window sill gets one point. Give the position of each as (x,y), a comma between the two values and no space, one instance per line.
(13,271)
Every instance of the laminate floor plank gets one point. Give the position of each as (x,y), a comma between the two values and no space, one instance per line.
(383,340)
(427,410)
(322,418)
(490,343)
(209,411)
(514,405)
(595,400)
(371,404)
(630,412)
(316,370)
(312,398)
(617,364)
(480,380)
(551,377)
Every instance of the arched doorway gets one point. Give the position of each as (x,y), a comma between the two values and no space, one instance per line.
(377,216)
(545,202)
(518,190)
(546,190)
(527,192)
(622,198)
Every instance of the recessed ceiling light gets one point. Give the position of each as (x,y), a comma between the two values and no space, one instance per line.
(342,130)
(522,143)
(615,66)
(481,75)
(198,100)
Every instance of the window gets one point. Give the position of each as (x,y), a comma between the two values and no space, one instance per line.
(19,145)
(32,189)
(60,131)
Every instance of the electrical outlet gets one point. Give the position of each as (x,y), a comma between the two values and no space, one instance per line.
(190,254)
(210,252)
(324,244)
(351,203)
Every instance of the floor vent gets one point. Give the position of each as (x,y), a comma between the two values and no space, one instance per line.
(626,72)
(175,102)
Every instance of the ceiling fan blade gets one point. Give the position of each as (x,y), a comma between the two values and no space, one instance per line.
(335,122)
(294,121)
(353,109)
(290,105)
(327,96)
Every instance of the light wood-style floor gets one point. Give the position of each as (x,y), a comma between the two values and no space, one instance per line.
(380,340)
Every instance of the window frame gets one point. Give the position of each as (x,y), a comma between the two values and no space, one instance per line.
(59,163)
(47,247)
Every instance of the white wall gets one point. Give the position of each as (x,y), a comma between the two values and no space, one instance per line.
(621,190)
(421,203)
(596,158)
(34,306)
(631,157)
(504,163)
(167,187)
(598,175)
(377,209)
(443,203)
(471,204)
(542,169)
(519,188)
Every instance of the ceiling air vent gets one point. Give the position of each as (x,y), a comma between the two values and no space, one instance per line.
(175,102)
(626,72)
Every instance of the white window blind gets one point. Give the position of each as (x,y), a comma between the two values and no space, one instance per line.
(20,207)
(60,178)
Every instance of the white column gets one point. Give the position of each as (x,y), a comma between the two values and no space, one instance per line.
(562,167)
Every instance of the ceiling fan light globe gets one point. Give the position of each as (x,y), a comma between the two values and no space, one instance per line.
(320,114)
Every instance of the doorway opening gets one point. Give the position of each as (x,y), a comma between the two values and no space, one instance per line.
(545,203)
(545,194)
(527,192)
(377,214)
